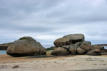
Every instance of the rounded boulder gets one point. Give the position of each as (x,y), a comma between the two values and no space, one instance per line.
(59,52)
(26,46)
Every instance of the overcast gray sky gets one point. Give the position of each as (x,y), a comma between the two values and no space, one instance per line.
(47,20)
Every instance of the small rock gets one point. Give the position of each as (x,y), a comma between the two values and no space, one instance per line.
(16,66)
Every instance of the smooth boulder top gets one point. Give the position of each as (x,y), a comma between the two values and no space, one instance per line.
(61,42)
(27,38)
(69,39)
(31,41)
(75,37)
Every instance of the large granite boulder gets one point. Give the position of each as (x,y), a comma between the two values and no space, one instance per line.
(25,46)
(61,42)
(69,39)
(59,52)
(74,38)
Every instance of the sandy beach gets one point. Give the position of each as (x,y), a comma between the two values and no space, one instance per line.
(63,63)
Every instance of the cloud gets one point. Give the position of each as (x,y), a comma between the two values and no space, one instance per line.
(47,20)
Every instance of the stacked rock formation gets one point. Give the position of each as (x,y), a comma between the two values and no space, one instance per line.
(75,44)
(25,46)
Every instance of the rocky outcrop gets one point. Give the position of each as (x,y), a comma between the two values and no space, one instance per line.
(26,46)
(5,46)
(75,44)
(97,47)
(101,44)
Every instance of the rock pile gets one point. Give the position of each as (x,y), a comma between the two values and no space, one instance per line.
(75,44)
